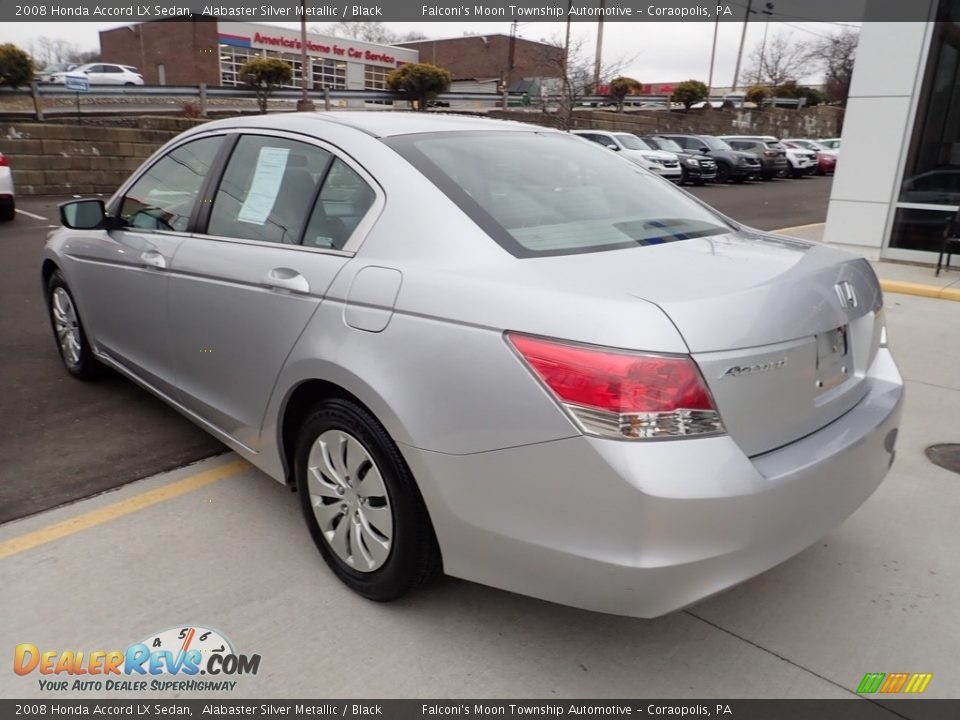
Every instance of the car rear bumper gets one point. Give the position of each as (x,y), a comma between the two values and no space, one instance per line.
(643,529)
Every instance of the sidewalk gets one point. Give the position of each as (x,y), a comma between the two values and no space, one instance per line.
(896,277)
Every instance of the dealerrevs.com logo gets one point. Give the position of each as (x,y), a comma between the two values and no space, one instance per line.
(170,660)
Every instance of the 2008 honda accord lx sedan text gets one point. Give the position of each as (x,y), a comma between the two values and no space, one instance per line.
(489,348)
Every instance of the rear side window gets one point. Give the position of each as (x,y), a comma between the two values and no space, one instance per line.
(268,189)
(343,202)
(164,196)
(551,194)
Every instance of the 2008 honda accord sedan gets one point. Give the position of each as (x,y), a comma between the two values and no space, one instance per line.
(490,349)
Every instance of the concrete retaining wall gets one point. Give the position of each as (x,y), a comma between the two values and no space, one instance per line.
(54,159)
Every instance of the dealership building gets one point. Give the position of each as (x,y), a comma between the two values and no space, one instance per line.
(898,180)
(211,51)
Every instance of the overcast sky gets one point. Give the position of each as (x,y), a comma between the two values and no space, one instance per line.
(660,52)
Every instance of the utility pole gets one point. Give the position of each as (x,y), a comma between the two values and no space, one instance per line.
(763,46)
(513,48)
(304,104)
(713,55)
(743,37)
(597,65)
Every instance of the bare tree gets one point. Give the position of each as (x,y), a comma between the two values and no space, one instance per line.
(48,51)
(375,32)
(574,71)
(410,36)
(780,60)
(835,55)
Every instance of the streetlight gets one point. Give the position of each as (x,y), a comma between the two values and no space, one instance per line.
(743,36)
(304,104)
(768,11)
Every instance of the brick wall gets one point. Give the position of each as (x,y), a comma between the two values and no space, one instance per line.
(488,56)
(188,50)
(55,159)
(815,122)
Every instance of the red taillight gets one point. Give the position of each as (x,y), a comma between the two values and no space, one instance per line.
(621,394)
(3,161)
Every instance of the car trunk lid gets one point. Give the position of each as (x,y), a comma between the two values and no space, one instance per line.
(784,331)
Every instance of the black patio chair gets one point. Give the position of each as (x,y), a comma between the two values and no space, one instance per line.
(951,242)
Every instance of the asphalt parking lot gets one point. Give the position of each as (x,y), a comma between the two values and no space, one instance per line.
(62,440)
(219,545)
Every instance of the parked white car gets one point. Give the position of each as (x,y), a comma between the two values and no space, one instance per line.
(8,206)
(49,70)
(830,143)
(101,74)
(633,148)
(826,157)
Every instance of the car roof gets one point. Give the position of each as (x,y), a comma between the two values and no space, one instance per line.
(386,123)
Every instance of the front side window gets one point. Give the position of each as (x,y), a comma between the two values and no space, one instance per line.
(268,189)
(550,194)
(164,196)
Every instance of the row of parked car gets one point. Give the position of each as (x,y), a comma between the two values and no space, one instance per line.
(698,159)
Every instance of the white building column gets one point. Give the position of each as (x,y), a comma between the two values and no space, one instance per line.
(881,108)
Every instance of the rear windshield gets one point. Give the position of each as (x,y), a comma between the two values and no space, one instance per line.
(553,194)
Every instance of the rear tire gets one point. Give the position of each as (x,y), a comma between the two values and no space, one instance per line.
(8,211)
(72,344)
(361,503)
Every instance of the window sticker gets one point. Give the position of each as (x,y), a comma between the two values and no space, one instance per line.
(262,195)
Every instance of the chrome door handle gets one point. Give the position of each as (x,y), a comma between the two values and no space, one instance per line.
(151,258)
(286,279)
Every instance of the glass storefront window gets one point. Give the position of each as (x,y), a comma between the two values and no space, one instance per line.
(932,173)
(920,229)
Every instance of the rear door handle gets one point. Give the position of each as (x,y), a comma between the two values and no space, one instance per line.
(154,259)
(286,279)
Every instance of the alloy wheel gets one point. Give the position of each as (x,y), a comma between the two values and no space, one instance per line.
(66,326)
(350,500)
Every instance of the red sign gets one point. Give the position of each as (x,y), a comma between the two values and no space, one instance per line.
(351,52)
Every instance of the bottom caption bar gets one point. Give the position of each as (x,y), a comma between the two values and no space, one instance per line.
(854,709)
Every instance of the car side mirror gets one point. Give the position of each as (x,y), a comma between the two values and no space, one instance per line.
(615,148)
(704,149)
(84,214)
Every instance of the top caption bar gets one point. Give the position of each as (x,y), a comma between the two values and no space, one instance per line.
(833,11)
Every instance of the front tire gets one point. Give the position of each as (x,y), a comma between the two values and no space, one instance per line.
(723,173)
(68,331)
(361,503)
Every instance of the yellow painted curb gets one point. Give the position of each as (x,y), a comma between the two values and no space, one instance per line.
(118,509)
(780,231)
(930,291)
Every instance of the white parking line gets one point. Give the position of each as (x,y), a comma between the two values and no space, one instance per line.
(30,214)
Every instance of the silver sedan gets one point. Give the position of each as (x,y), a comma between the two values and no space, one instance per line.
(489,349)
